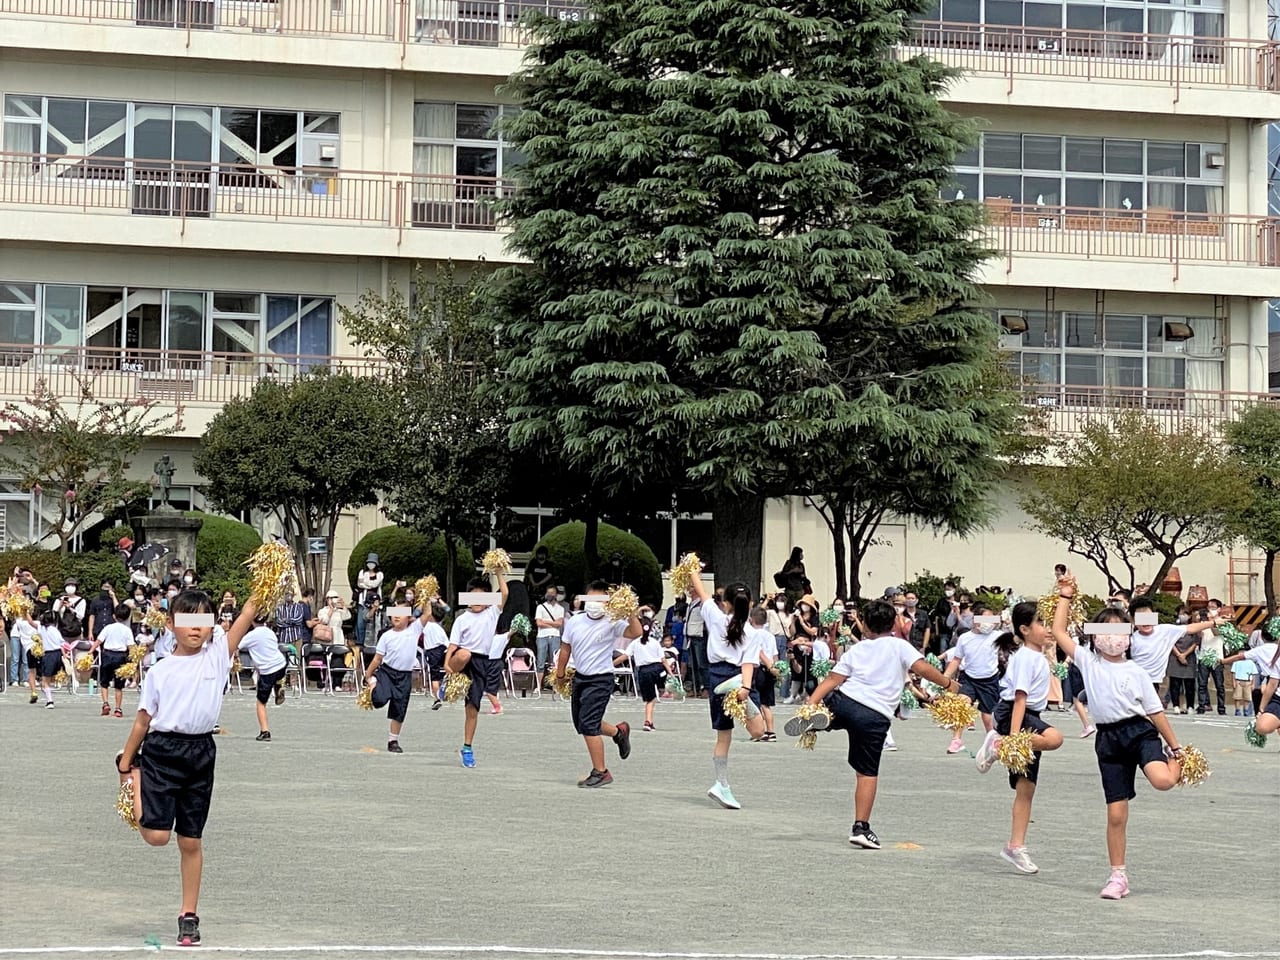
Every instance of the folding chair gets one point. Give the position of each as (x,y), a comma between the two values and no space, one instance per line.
(315,660)
(293,679)
(521,672)
(625,676)
(339,673)
(241,665)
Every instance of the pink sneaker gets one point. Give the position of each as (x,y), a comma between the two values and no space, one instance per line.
(989,751)
(496,711)
(1088,732)
(956,745)
(1117,887)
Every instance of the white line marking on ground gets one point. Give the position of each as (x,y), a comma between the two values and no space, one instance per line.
(434,950)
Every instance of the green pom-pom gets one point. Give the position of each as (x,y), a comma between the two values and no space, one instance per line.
(1208,659)
(820,668)
(520,626)
(829,616)
(783,668)
(934,662)
(1253,737)
(908,699)
(1233,641)
(1272,627)
(1060,670)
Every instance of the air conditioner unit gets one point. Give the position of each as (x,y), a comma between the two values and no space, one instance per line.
(1215,161)
(1013,323)
(1176,331)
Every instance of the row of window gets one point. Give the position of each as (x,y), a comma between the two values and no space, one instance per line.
(1161,17)
(133,325)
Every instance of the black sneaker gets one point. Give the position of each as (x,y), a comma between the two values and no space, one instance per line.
(623,739)
(279,694)
(596,778)
(438,704)
(35,698)
(393,746)
(798,725)
(264,735)
(861,835)
(188,930)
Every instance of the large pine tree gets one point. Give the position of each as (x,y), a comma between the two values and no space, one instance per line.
(730,209)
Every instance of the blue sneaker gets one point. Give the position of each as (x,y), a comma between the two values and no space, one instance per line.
(468,757)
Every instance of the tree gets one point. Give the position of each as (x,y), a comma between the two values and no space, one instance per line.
(76,450)
(304,451)
(441,355)
(1254,443)
(719,201)
(1126,489)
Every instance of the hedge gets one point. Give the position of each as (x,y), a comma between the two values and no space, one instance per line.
(565,550)
(405,554)
(222,547)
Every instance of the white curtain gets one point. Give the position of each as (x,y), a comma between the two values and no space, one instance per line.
(1204,354)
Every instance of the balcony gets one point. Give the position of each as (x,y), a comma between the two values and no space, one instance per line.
(1064,409)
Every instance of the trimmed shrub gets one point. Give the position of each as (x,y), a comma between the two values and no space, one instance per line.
(929,588)
(109,537)
(45,565)
(222,547)
(1166,606)
(92,568)
(564,548)
(405,554)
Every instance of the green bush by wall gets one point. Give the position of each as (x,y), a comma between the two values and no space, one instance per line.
(565,549)
(405,554)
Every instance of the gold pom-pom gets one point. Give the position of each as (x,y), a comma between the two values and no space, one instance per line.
(1016,752)
(37,649)
(734,709)
(685,573)
(1195,768)
(271,575)
(60,679)
(137,653)
(1047,605)
(952,712)
(364,699)
(426,589)
(496,563)
(16,604)
(622,603)
(155,620)
(456,686)
(124,804)
(563,687)
(809,739)
(84,663)
(127,671)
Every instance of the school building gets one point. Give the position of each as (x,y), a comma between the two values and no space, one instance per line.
(190,188)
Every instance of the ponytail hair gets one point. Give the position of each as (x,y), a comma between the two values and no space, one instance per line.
(1023,615)
(741,599)
(1006,645)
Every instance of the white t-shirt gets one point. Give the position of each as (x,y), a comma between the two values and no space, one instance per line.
(26,633)
(399,648)
(1028,671)
(1262,656)
(1151,653)
(762,641)
(977,654)
(876,669)
(433,636)
(263,647)
(165,644)
(474,631)
(1117,691)
(116,637)
(1210,641)
(822,650)
(716,622)
(498,648)
(184,694)
(549,611)
(593,643)
(643,654)
(50,637)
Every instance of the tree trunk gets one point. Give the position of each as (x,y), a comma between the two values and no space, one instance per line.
(839,515)
(862,530)
(737,539)
(1269,580)
(1163,572)
(591,546)
(450,565)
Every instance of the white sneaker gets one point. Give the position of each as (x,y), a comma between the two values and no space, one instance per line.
(722,795)
(889,745)
(730,685)
(1018,857)
(788,700)
(989,751)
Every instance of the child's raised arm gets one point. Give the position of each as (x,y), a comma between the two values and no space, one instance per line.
(242,625)
(1061,614)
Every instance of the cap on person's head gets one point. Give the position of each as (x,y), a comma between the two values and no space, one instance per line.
(890,592)
(331,595)
(371,558)
(71,582)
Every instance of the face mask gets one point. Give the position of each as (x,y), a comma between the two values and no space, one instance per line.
(1110,644)
(979,628)
(551,598)
(898,608)
(188,579)
(1213,611)
(71,591)
(781,606)
(369,567)
(912,603)
(409,597)
(594,609)
(172,594)
(949,593)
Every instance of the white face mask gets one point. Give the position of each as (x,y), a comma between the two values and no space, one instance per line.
(1111,644)
(71,591)
(898,608)
(188,579)
(781,606)
(594,609)
(981,627)
(949,593)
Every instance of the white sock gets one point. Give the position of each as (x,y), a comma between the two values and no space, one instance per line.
(1118,871)
(392,737)
(48,693)
(722,770)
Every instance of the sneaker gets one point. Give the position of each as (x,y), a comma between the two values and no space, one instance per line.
(106,710)
(788,700)
(438,704)
(596,778)
(35,698)
(769,736)
(1088,732)
(722,795)
(989,751)
(468,757)
(264,736)
(956,745)
(890,745)
(798,725)
(279,694)
(393,746)
(861,835)
(1200,710)
(1117,887)
(648,727)
(188,930)
(730,685)
(1018,857)
(495,710)
(1248,711)
(49,705)
(623,739)
(1239,713)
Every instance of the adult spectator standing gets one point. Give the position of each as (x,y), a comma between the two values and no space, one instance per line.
(615,570)
(902,624)
(779,623)
(70,609)
(792,578)
(695,639)
(1182,672)
(368,593)
(921,635)
(549,619)
(941,614)
(295,621)
(102,611)
(540,574)
(1210,642)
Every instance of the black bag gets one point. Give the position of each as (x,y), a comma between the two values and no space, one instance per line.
(780,580)
(69,624)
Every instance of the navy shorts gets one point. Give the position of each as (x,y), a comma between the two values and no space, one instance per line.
(112,660)
(177,781)
(1078,691)
(493,676)
(267,683)
(766,686)
(650,676)
(718,673)
(984,691)
(51,663)
(1273,705)
(434,657)
(1001,717)
(867,730)
(478,670)
(1122,748)
(392,691)
(591,693)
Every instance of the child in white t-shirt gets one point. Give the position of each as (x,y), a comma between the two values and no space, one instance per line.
(263,647)
(115,641)
(470,641)
(390,672)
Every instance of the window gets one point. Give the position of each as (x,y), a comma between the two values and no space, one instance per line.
(460,161)
(17,320)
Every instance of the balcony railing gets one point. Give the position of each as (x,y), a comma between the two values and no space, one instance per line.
(242,192)
(1156,234)
(1097,55)
(1064,409)
(492,23)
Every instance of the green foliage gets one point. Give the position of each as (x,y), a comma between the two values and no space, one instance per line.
(91,568)
(995,600)
(112,535)
(305,450)
(222,547)
(1254,443)
(564,548)
(1093,604)
(76,450)
(929,588)
(1126,490)
(45,565)
(1166,605)
(407,555)
(736,249)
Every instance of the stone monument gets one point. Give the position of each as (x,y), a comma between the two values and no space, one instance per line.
(169,527)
